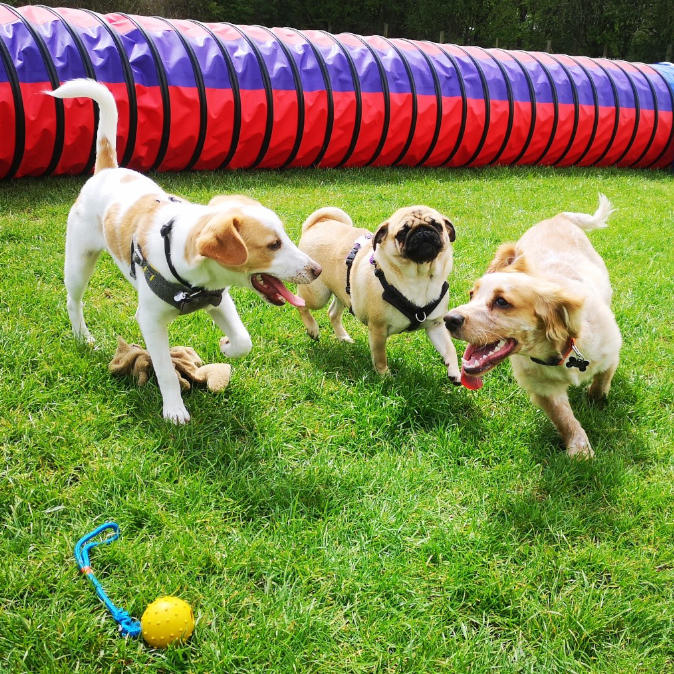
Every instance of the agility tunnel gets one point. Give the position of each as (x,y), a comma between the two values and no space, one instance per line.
(204,96)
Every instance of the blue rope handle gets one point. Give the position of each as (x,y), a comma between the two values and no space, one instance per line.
(128,626)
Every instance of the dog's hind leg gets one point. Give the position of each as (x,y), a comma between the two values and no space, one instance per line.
(84,243)
(335,313)
(559,411)
(601,383)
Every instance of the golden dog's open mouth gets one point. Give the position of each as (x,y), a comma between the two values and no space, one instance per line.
(273,290)
(478,360)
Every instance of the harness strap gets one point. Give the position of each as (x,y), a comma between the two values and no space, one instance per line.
(183,296)
(165,232)
(360,242)
(415,315)
(580,362)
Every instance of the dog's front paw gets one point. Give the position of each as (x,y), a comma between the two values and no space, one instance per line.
(454,375)
(236,349)
(177,414)
(85,337)
(580,449)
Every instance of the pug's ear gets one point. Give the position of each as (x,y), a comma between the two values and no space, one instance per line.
(450,229)
(380,235)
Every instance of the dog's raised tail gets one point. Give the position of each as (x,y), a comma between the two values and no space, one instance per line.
(327,213)
(598,220)
(106,135)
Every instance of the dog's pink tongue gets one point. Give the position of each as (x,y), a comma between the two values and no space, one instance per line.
(283,291)
(470,381)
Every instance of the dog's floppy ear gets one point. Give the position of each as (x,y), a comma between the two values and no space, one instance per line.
(220,240)
(560,313)
(380,235)
(505,255)
(450,229)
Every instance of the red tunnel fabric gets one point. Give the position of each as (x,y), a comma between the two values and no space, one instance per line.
(205,96)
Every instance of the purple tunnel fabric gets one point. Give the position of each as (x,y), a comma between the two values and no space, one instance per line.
(205,96)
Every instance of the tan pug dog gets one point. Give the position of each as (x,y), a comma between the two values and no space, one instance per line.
(392,281)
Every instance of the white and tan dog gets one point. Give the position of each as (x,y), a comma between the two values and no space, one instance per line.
(545,302)
(394,280)
(179,256)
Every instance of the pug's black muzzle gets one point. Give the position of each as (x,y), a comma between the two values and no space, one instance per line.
(423,244)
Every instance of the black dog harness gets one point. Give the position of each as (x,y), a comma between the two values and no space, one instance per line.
(579,362)
(416,315)
(185,297)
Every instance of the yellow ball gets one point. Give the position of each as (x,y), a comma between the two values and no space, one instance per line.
(167,620)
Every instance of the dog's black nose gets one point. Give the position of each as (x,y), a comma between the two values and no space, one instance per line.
(453,321)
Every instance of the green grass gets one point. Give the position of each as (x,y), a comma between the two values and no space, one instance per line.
(317,517)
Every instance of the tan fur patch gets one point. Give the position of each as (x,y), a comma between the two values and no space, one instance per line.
(217,236)
(257,238)
(233,199)
(128,178)
(106,156)
(137,220)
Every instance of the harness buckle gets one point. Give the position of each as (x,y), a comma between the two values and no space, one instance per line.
(419,319)
(185,297)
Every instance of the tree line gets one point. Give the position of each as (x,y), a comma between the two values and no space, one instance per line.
(637,30)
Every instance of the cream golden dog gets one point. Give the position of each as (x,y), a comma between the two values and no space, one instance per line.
(394,280)
(179,256)
(545,303)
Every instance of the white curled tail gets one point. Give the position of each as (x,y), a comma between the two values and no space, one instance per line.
(106,136)
(596,221)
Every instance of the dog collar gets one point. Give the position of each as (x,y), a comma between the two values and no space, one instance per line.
(416,315)
(185,297)
(578,362)
(360,242)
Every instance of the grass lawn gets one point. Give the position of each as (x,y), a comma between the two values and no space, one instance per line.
(317,517)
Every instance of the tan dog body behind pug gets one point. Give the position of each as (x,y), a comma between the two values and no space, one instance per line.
(411,252)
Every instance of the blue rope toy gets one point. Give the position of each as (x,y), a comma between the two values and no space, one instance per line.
(128,626)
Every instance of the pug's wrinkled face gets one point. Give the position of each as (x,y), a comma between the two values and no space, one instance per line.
(415,233)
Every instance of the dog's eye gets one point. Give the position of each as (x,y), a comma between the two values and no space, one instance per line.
(400,236)
(275,245)
(500,302)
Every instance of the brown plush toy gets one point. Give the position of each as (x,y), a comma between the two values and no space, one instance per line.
(135,360)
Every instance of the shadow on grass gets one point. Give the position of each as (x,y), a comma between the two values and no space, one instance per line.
(575,498)
(430,399)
